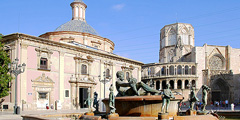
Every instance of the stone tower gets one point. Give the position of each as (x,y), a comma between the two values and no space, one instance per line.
(176,41)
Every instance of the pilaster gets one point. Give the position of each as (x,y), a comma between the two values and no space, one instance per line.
(23,76)
(61,76)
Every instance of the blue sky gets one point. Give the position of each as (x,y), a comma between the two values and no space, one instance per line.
(133,25)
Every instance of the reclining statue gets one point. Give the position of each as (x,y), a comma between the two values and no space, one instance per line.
(131,88)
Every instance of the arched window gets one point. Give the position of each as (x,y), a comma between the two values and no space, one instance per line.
(77,12)
(152,71)
(186,70)
(81,12)
(179,84)
(107,73)
(171,84)
(158,85)
(179,70)
(193,83)
(171,70)
(84,69)
(127,75)
(193,70)
(164,84)
(186,84)
(163,70)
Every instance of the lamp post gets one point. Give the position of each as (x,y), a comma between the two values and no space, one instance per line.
(105,80)
(16,70)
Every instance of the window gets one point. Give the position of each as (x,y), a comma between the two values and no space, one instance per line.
(84,69)
(66,93)
(186,70)
(193,70)
(171,70)
(77,10)
(107,73)
(43,63)
(127,75)
(179,70)
(42,95)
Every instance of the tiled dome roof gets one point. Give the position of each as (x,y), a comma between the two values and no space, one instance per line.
(78,26)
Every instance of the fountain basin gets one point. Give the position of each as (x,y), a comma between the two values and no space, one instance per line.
(147,106)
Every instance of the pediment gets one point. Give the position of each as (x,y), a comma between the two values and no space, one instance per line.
(216,51)
(43,78)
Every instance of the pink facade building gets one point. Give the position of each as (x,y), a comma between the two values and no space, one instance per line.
(62,65)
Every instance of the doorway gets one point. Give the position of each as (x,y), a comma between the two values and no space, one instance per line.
(216,95)
(83,95)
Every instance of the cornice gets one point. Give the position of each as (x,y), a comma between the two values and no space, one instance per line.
(77,33)
(16,36)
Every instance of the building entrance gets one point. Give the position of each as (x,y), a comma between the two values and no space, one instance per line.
(220,90)
(83,95)
(216,95)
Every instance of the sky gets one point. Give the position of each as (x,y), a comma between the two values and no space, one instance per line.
(133,25)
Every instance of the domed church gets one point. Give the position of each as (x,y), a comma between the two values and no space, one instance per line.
(61,66)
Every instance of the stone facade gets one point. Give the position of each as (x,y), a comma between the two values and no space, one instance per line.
(181,63)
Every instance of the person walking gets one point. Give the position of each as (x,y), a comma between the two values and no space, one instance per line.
(232,107)
(226,102)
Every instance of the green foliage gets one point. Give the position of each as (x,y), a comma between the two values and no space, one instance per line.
(5,77)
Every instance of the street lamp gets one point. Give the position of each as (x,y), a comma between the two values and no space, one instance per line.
(16,70)
(105,80)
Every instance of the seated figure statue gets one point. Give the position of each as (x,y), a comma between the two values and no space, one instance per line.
(131,88)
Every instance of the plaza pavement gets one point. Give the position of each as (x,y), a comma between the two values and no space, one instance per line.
(8,115)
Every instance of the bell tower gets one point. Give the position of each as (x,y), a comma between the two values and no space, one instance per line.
(176,40)
(78,10)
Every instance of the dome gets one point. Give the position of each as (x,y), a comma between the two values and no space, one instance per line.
(78,26)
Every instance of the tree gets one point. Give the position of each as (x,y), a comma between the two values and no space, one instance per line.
(5,77)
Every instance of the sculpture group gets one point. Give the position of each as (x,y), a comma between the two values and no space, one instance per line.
(131,88)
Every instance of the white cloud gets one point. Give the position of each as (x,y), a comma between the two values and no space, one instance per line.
(118,7)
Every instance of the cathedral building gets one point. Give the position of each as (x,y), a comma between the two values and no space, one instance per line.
(182,65)
(62,65)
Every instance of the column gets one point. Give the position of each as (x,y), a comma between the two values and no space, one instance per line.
(160,85)
(77,96)
(76,68)
(23,76)
(139,73)
(183,84)
(61,76)
(79,69)
(175,83)
(167,81)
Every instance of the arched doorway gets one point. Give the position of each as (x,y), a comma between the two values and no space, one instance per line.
(220,90)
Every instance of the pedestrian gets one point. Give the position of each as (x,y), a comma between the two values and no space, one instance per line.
(47,107)
(226,102)
(51,106)
(232,107)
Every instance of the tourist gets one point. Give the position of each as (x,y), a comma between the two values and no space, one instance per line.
(232,107)
(226,102)
(47,107)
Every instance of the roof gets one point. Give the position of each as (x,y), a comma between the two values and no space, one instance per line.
(78,26)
